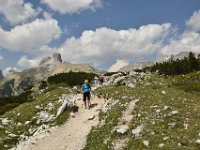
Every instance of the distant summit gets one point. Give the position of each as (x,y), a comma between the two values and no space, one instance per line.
(138,65)
(54,60)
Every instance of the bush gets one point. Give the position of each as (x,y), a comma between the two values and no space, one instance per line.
(43,85)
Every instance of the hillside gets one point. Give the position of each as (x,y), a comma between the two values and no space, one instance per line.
(130,111)
(164,115)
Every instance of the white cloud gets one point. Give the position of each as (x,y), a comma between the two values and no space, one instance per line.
(1,58)
(30,36)
(118,65)
(194,21)
(104,45)
(28,63)
(72,6)
(17,11)
(189,41)
(10,70)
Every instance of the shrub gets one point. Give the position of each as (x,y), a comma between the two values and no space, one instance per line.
(43,85)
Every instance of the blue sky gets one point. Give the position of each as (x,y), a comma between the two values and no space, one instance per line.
(98,32)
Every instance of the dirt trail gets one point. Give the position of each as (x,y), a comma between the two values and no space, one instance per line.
(73,134)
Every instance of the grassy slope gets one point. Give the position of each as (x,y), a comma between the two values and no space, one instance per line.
(27,112)
(184,98)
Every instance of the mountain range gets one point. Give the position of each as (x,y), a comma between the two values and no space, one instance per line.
(181,55)
(17,81)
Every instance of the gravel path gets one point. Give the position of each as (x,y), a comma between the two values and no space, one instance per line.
(73,134)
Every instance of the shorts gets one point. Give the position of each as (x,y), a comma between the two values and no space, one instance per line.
(86,96)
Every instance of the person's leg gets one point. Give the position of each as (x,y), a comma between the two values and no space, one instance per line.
(84,100)
(89,102)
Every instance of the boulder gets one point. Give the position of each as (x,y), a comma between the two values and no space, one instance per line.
(69,101)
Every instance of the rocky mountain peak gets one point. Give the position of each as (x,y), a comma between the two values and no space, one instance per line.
(1,75)
(55,59)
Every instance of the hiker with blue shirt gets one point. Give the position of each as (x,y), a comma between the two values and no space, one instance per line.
(86,88)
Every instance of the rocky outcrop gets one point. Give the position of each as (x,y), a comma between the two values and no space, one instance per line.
(54,60)
(57,57)
(1,75)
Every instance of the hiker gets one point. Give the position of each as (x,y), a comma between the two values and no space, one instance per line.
(86,89)
(95,80)
(101,79)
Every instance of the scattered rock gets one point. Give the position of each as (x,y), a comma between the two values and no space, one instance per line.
(161,145)
(124,97)
(166,107)
(165,138)
(50,106)
(122,129)
(91,118)
(173,113)
(75,88)
(198,141)
(158,111)
(146,143)
(119,144)
(72,115)
(12,135)
(137,131)
(5,121)
(131,85)
(19,124)
(45,117)
(27,122)
(163,92)
(38,107)
(172,125)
